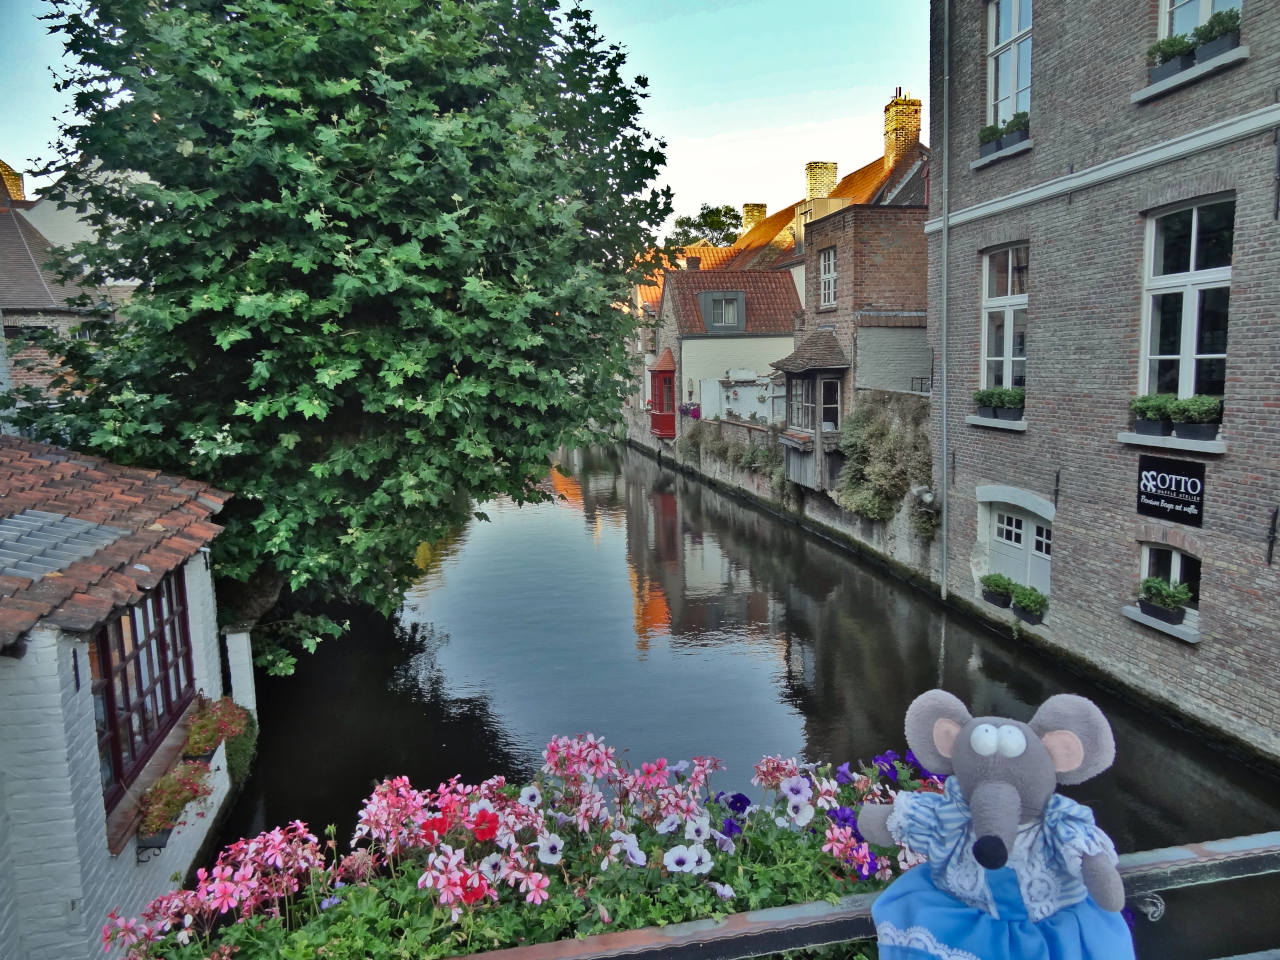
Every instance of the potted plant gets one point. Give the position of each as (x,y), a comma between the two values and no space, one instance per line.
(997,589)
(1152,414)
(1166,601)
(213,722)
(1217,35)
(163,802)
(1169,56)
(1009,402)
(988,140)
(1196,417)
(1016,130)
(1029,604)
(985,401)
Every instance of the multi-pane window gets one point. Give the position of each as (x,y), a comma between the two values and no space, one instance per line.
(1188,294)
(1004,311)
(830,404)
(1174,566)
(827,277)
(802,405)
(1043,543)
(1183,16)
(1008,59)
(724,312)
(1009,528)
(140,662)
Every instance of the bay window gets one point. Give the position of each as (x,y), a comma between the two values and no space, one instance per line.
(802,404)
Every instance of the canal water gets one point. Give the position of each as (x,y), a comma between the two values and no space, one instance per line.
(674,620)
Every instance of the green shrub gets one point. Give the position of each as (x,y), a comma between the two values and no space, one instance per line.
(1197,409)
(997,583)
(1019,121)
(1171,596)
(1218,25)
(1012,398)
(1030,599)
(241,749)
(985,398)
(1170,48)
(163,802)
(1153,406)
(989,134)
(886,446)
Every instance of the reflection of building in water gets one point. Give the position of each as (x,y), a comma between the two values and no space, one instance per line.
(652,614)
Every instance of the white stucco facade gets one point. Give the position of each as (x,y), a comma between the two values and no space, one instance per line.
(708,358)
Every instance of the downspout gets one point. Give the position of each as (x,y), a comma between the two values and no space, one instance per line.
(946,255)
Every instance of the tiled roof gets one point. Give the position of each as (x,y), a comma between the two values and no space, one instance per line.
(770,301)
(665,362)
(24,284)
(819,351)
(80,536)
(713,258)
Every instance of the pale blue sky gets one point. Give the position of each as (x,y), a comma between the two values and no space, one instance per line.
(745,92)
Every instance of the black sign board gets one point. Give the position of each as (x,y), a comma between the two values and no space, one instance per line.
(1171,489)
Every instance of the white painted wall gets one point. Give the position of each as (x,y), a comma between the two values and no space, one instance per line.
(708,359)
(797,277)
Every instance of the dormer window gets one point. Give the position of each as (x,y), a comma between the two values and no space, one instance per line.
(724,311)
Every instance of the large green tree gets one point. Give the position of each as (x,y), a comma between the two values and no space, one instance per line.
(380,244)
(718,226)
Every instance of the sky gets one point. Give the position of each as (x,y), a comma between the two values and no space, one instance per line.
(744,92)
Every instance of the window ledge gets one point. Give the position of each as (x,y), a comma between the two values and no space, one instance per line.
(1007,152)
(1181,631)
(1172,443)
(1018,426)
(1190,75)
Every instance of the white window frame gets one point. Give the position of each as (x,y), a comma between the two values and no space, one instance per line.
(802,413)
(1175,574)
(1011,44)
(827,277)
(1190,284)
(1042,541)
(1008,527)
(1204,10)
(1009,305)
(718,311)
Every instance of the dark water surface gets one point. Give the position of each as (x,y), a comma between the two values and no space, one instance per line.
(675,621)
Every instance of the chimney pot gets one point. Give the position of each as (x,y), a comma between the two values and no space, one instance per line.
(901,127)
(819,179)
(753,213)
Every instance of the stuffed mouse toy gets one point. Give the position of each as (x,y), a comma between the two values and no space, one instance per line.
(1015,870)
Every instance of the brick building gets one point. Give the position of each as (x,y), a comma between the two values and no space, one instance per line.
(1127,246)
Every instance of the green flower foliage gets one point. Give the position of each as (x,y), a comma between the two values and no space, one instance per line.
(379,244)
(885,441)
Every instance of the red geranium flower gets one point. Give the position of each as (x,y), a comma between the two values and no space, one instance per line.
(486,825)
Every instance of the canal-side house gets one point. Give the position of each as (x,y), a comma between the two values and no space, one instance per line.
(107,632)
(717,330)
(863,259)
(1121,242)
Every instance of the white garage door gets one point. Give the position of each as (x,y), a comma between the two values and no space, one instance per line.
(1021,544)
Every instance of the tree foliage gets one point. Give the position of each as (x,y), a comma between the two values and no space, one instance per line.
(718,226)
(379,244)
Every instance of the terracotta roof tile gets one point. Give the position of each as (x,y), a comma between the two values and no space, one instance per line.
(665,362)
(770,300)
(138,516)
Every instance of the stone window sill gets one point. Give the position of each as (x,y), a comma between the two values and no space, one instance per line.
(1172,443)
(1004,154)
(828,308)
(1182,631)
(1018,426)
(1190,75)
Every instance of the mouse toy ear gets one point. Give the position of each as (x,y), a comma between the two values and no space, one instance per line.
(934,719)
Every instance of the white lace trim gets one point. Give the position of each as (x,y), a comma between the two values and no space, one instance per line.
(920,938)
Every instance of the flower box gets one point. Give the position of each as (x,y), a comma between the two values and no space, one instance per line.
(988,148)
(154,841)
(1217,47)
(1013,138)
(1196,431)
(1026,616)
(1170,68)
(987,412)
(1162,613)
(1009,413)
(999,599)
(1152,428)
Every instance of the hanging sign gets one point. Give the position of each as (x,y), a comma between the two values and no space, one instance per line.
(1171,489)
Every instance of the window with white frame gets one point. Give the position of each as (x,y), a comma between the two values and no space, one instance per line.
(1020,545)
(724,311)
(827,277)
(1043,543)
(1188,290)
(802,405)
(830,404)
(1008,59)
(1009,528)
(1183,16)
(1004,312)
(1173,565)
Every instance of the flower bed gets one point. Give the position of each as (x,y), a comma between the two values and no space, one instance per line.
(165,800)
(590,846)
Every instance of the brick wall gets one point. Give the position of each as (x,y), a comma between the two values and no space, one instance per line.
(1085,303)
(889,357)
(19,373)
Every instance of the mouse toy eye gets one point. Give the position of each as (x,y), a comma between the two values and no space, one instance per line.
(984,739)
(1011,742)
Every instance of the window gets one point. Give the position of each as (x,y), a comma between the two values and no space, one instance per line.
(724,311)
(830,404)
(1187,297)
(1008,59)
(1176,567)
(802,406)
(1183,16)
(1009,528)
(827,277)
(140,663)
(1044,541)
(1004,309)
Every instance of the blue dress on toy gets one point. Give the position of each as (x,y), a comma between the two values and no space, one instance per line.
(1035,907)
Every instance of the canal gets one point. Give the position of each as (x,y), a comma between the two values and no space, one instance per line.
(673,620)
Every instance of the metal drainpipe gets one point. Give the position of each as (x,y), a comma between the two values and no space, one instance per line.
(946,254)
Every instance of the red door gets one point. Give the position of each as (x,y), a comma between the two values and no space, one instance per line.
(662,415)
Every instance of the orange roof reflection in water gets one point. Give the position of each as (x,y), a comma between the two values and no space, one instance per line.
(566,487)
(652,615)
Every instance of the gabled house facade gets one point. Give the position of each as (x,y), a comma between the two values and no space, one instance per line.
(108,630)
(1123,245)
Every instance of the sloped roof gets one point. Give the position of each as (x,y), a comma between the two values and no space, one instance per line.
(770,299)
(664,363)
(24,283)
(81,537)
(819,351)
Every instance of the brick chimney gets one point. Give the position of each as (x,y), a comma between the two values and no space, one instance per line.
(10,184)
(819,179)
(753,213)
(901,127)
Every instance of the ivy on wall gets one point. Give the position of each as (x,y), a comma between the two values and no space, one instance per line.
(885,440)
